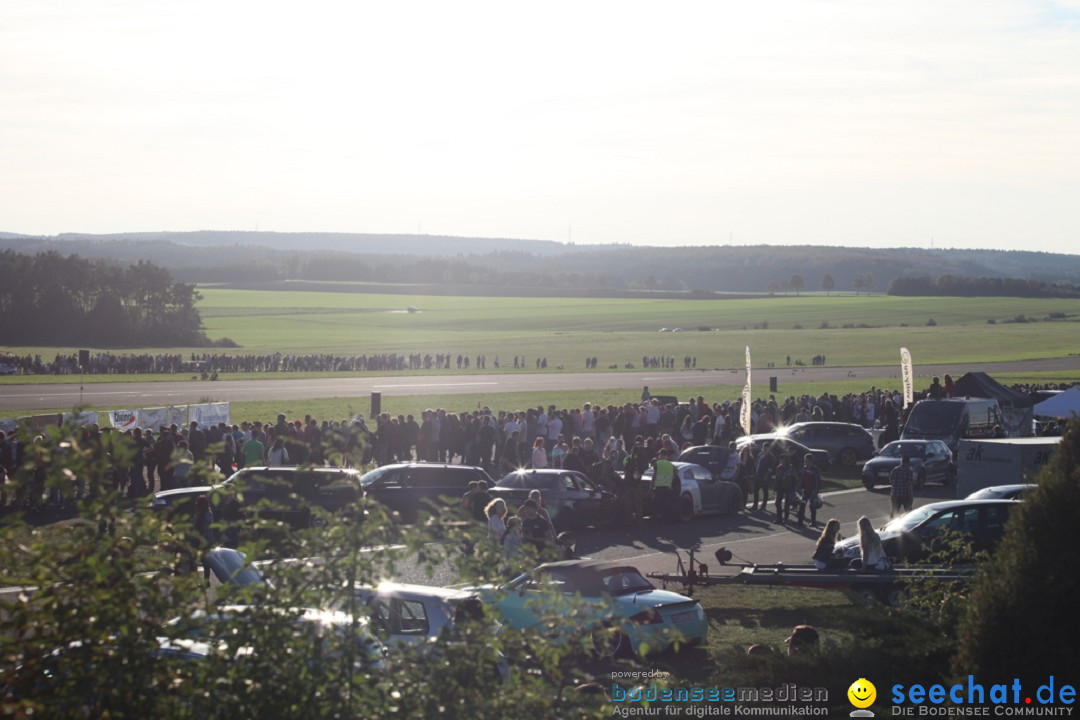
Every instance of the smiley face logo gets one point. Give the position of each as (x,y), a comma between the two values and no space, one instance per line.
(862,693)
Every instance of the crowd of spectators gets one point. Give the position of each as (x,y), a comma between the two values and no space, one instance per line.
(106,363)
(499,441)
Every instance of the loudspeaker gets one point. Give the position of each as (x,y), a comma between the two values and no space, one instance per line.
(772,384)
(376,404)
(84,358)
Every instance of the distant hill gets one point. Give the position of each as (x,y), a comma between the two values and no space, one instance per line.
(249,257)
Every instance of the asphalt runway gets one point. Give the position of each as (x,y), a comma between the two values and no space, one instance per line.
(154,394)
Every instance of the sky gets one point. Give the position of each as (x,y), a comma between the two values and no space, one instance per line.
(837,122)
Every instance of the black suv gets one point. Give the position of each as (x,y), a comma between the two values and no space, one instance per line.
(408,488)
(289,492)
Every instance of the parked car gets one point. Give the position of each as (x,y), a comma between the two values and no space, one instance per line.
(421,617)
(846,443)
(713,457)
(916,534)
(408,488)
(289,493)
(621,611)
(930,460)
(201,634)
(782,445)
(572,499)
(1002,492)
(703,492)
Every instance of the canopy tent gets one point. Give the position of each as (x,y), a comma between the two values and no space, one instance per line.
(1015,406)
(1064,404)
(979,384)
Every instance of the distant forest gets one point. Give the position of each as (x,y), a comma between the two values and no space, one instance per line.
(951,285)
(49,298)
(487,264)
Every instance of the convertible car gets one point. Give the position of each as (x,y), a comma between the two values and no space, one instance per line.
(609,603)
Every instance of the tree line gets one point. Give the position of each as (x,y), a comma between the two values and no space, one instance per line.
(49,298)
(960,286)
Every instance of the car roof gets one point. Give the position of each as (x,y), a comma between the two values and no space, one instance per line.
(395,466)
(947,504)
(584,567)
(407,590)
(289,469)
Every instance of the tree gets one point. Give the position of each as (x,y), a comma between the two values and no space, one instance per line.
(797,283)
(1022,611)
(105,624)
(828,283)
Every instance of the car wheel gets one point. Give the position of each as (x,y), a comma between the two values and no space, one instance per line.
(686,509)
(868,483)
(738,503)
(608,644)
(848,457)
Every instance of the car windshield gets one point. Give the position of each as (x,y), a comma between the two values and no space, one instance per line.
(907,522)
(374,475)
(898,449)
(624,582)
(934,417)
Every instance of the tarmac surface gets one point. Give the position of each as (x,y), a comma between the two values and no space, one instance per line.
(152,394)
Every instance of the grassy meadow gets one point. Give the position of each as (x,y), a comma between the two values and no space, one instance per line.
(621,331)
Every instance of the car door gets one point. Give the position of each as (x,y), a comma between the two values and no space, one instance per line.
(389,490)
(537,597)
(937,460)
(991,525)
(708,486)
(589,506)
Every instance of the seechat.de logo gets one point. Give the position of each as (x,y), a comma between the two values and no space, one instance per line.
(862,694)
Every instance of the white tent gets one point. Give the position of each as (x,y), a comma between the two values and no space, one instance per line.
(1064,404)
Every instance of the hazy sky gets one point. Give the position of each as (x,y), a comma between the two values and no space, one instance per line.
(851,123)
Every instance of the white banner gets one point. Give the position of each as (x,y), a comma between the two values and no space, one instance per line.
(209,414)
(82,419)
(153,418)
(907,372)
(124,419)
(744,414)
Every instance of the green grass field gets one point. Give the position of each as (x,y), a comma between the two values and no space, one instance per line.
(618,331)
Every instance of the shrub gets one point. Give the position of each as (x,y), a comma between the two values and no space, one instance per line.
(1022,612)
(991,321)
(931,322)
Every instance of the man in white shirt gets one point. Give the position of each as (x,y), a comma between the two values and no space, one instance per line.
(554,425)
(587,422)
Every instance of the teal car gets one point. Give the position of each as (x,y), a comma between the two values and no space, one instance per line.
(609,605)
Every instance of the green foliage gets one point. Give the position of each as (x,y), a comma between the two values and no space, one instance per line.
(1022,612)
(112,619)
(49,298)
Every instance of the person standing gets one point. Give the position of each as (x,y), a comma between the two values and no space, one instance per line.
(763,471)
(539,454)
(785,488)
(664,477)
(902,482)
(254,450)
(809,488)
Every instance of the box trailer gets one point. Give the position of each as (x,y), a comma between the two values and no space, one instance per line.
(1007,461)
